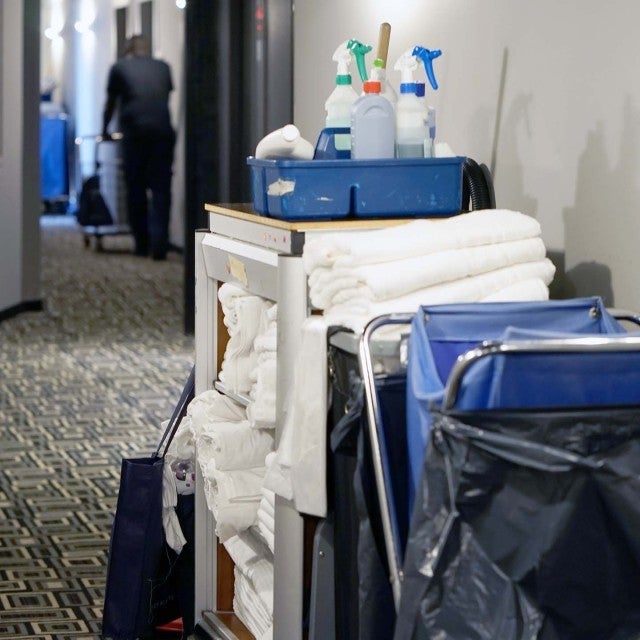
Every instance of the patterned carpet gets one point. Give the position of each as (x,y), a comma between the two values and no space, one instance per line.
(82,384)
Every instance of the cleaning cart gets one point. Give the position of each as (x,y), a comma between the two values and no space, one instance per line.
(102,206)
(515,519)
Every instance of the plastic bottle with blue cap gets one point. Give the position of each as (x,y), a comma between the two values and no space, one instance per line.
(427,56)
(339,103)
(411,112)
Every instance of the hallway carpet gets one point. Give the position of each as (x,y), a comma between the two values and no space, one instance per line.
(82,384)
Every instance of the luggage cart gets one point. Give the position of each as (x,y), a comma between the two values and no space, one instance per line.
(102,205)
(429,599)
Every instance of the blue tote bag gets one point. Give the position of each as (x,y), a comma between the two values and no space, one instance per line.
(140,593)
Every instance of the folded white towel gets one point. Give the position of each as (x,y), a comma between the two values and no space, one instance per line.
(249,607)
(416,238)
(233,497)
(267,535)
(252,558)
(234,445)
(212,406)
(266,519)
(236,371)
(525,290)
(357,312)
(243,322)
(261,411)
(381,281)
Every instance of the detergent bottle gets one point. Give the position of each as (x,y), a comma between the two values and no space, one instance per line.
(372,125)
(379,68)
(286,143)
(411,112)
(339,103)
(427,56)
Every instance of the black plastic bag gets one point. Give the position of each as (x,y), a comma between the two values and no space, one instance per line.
(526,527)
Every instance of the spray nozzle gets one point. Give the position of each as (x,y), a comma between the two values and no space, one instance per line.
(343,57)
(407,63)
(359,50)
(427,56)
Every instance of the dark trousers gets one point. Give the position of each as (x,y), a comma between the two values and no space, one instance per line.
(148,160)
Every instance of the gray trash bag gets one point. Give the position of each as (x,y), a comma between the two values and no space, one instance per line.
(526,527)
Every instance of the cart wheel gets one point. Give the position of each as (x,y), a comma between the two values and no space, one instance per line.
(86,241)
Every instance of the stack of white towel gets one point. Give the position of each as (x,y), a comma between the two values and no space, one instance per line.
(478,256)
(261,411)
(231,455)
(253,578)
(242,315)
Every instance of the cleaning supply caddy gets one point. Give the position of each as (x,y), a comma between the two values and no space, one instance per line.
(329,189)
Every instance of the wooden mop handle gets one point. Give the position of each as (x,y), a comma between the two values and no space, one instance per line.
(383,45)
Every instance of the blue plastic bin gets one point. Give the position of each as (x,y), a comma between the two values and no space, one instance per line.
(327,189)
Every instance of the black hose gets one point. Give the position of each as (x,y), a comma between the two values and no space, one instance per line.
(477,186)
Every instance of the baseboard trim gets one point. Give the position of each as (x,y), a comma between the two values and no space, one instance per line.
(22,307)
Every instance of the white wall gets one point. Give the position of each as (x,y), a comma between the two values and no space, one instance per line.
(19,175)
(542,92)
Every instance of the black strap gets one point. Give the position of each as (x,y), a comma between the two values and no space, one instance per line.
(178,413)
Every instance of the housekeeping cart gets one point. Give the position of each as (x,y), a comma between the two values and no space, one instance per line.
(512,514)
(101,200)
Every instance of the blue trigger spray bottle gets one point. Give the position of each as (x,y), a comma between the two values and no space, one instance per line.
(427,56)
(411,112)
(338,104)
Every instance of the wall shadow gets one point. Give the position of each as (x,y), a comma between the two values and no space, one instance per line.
(601,237)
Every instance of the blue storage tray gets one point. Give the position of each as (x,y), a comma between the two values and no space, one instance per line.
(327,189)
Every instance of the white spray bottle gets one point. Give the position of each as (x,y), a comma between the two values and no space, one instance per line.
(411,112)
(338,104)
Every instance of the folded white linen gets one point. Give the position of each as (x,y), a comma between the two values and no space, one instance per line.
(233,497)
(266,519)
(525,290)
(235,372)
(267,535)
(229,292)
(261,411)
(299,466)
(358,311)
(249,608)
(419,237)
(234,445)
(267,340)
(255,562)
(243,322)
(381,281)
(212,406)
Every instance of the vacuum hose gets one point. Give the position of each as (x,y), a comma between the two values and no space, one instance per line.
(477,186)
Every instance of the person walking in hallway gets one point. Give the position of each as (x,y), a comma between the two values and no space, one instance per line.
(139,87)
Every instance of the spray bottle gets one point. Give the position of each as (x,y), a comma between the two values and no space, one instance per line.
(338,104)
(427,56)
(411,113)
(379,68)
(359,51)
